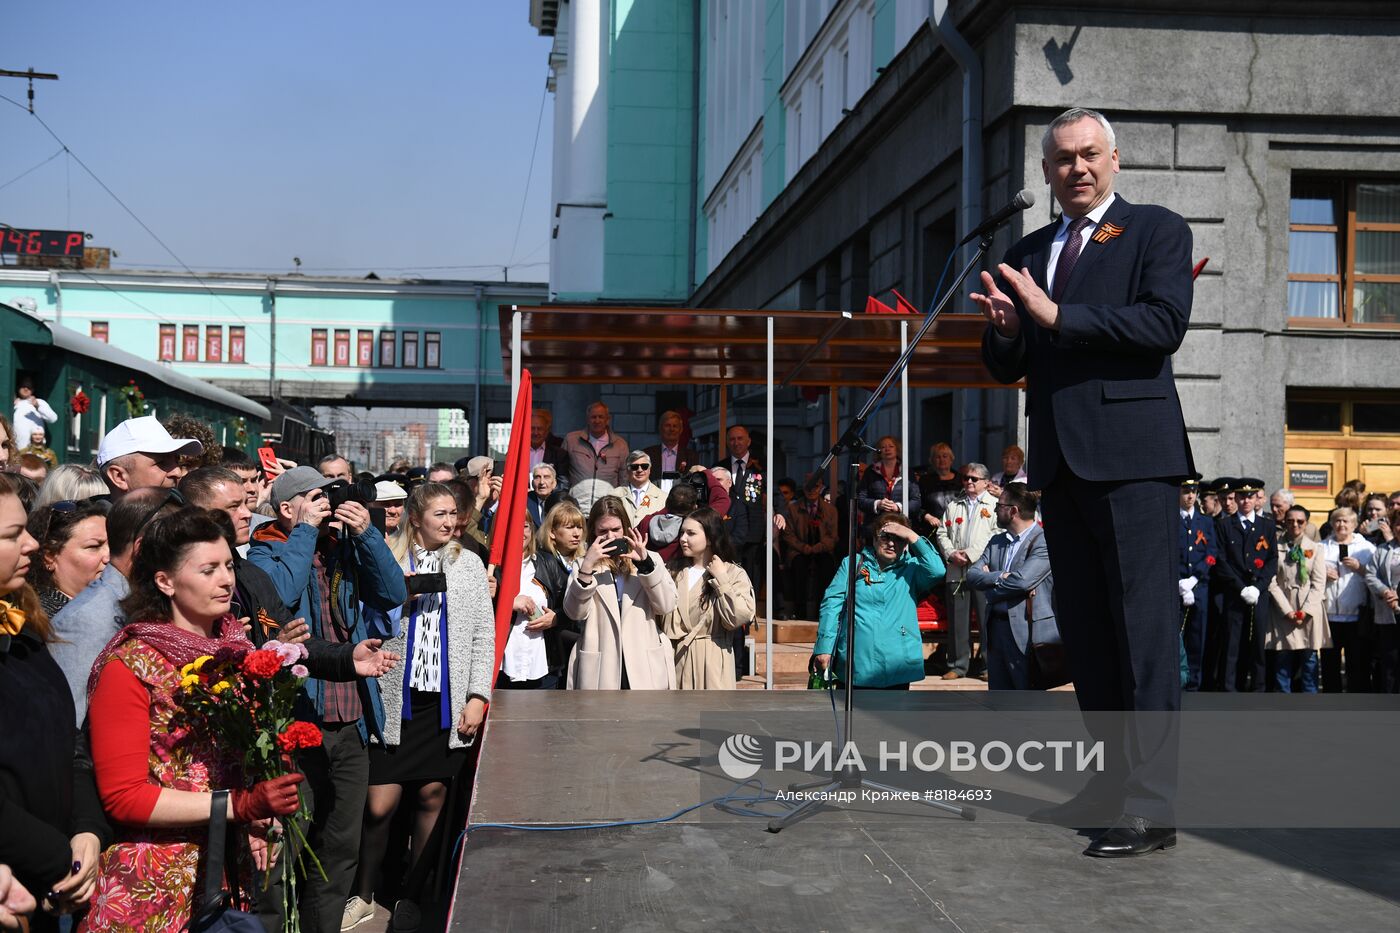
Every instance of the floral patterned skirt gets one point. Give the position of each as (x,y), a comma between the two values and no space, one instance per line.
(148,887)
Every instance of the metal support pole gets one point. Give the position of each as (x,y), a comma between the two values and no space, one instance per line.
(904,422)
(515,362)
(768,500)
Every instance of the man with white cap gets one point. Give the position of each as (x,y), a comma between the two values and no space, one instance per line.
(140,453)
(390,497)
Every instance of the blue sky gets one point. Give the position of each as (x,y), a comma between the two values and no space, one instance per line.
(357,136)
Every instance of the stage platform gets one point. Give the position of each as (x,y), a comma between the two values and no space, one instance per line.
(564,757)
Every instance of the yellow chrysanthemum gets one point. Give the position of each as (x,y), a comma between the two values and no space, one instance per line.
(189,680)
(200,661)
(221,686)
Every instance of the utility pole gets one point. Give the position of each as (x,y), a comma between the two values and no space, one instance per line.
(33,76)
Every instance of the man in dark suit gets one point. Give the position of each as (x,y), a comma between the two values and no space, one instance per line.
(1095,306)
(1198,555)
(1248,561)
(669,456)
(546,448)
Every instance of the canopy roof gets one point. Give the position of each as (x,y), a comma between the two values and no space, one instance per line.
(594,343)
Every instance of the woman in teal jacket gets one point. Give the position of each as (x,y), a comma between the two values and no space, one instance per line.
(893,573)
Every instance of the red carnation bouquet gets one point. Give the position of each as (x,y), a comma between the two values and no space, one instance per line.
(244,700)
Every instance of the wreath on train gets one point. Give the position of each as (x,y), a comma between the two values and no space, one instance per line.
(134,399)
(79,403)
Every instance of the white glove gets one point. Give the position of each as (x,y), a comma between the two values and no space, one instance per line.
(1189,583)
(1250,594)
(1188,597)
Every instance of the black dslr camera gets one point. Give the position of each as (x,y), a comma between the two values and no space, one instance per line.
(341,492)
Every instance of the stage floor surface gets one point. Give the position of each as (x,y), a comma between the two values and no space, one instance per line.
(564,757)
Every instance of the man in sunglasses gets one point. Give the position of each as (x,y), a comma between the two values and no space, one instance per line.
(640,496)
(139,453)
(969,522)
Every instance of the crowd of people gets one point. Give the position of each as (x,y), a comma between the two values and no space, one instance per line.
(641,570)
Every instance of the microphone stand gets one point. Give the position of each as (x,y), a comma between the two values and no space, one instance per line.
(849,777)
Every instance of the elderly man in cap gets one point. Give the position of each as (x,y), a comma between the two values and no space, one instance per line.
(327,566)
(1198,556)
(486,489)
(390,497)
(139,453)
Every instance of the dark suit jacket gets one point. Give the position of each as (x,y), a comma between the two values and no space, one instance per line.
(1198,544)
(1235,566)
(1099,391)
(556,457)
(687,456)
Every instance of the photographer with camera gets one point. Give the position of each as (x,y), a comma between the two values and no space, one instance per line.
(328,562)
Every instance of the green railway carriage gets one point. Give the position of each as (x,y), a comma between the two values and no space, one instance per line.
(61,363)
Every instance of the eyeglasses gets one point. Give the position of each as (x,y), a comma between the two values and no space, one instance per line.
(171,495)
(639,467)
(969,479)
(890,539)
(1295,521)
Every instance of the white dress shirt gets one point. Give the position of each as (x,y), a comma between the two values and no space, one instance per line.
(1061,235)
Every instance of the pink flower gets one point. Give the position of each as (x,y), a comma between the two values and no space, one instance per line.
(288,654)
(299,670)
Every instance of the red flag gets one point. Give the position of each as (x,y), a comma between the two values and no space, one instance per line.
(1199,266)
(902,305)
(874,305)
(507,534)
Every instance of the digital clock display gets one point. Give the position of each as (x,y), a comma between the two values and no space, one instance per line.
(41,242)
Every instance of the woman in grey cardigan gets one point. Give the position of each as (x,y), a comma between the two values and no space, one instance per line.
(434,708)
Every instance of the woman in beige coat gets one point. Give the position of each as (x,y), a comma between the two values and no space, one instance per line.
(713,598)
(617,597)
(1298,622)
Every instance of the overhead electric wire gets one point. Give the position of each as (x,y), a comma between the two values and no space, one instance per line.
(529,176)
(35,168)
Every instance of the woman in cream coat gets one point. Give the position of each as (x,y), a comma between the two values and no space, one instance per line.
(713,598)
(1298,622)
(616,601)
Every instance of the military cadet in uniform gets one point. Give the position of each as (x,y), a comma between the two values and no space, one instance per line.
(1247,562)
(1214,494)
(1198,555)
(1208,500)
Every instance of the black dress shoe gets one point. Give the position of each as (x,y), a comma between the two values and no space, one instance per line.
(1132,836)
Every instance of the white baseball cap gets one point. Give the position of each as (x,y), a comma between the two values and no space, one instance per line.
(144,435)
(386,491)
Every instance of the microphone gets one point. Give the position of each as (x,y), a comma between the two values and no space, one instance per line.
(1024,199)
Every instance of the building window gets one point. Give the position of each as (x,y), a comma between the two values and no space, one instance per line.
(190,350)
(99,331)
(167,342)
(410,350)
(213,344)
(364,348)
(386,349)
(236,344)
(1344,251)
(432,350)
(342,348)
(318,347)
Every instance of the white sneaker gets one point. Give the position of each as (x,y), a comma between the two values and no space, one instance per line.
(356,913)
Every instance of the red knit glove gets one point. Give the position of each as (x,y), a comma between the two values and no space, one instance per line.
(277,797)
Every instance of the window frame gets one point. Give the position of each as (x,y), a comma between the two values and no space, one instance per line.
(165,343)
(432,349)
(410,339)
(1346,230)
(364,348)
(342,343)
(388,340)
(213,343)
(100,330)
(237,344)
(189,338)
(320,340)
